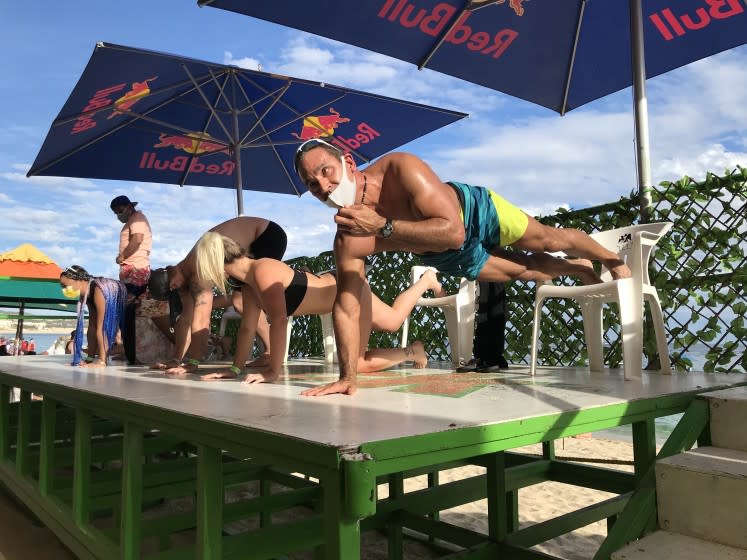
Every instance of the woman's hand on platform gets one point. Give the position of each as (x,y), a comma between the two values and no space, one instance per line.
(172,363)
(181,371)
(216,375)
(265,376)
(343,386)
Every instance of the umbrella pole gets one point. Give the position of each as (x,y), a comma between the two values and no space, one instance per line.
(19,328)
(643,155)
(237,162)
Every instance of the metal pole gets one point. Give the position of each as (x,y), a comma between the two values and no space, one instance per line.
(638,64)
(236,149)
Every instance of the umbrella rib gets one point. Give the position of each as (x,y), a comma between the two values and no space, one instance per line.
(205,99)
(277,96)
(136,117)
(193,155)
(266,133)
(437,45)
(569,74)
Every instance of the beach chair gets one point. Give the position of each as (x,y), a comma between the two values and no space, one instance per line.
(459,310)
(634,244)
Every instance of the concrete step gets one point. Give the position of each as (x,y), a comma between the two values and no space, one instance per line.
(663,545)
(703,493)
(728,414)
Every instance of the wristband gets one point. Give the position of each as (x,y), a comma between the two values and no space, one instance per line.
(235,370)
(193,362)
(88,359)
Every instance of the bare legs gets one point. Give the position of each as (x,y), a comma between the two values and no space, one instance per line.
(390,319)
(539,238)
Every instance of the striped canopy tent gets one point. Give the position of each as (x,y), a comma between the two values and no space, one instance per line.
(29,279)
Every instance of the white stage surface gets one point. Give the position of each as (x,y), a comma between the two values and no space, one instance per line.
(392,404)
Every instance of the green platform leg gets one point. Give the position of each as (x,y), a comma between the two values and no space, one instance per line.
(433,482)
(548,450)
(4,422)
(46,446)
(342,532)
(394,528)
(265,489)
(23,439)
(82,468)
(132,493)
(209,503)
(644,455)
(498,514)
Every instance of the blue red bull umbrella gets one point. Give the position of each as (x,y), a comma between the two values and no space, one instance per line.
(560,54)
(148,116)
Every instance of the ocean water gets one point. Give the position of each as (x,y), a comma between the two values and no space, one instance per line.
(43,340)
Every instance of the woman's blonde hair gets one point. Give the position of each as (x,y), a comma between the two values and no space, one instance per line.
(214,251)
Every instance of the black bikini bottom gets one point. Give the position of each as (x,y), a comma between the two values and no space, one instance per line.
(295,292)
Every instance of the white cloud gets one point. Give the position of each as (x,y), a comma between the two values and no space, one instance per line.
(245,62)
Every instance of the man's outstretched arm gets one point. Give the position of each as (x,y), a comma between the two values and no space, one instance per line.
(346,317)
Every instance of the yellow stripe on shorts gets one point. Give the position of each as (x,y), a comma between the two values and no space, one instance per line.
(513,222)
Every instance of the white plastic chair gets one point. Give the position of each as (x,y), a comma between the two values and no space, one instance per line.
(459,309)
(330,353)
(634,244)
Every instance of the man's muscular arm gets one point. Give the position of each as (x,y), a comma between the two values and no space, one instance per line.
(346,317)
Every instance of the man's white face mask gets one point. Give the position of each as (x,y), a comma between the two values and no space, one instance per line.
(344,194)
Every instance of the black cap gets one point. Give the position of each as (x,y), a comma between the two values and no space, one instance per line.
(121,200)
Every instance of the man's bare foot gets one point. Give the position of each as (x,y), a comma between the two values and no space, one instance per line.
(431,278)
(584,269)
(618,269)
(262,361)
(416,353)
(164,365)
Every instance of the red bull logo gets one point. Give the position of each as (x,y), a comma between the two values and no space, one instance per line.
(100,100)
(670,25)
(320,126)
(137,91)
(432,22)
(516,5)
(192,143)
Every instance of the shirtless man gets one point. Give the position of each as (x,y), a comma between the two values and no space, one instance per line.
(399,204)
(263,239)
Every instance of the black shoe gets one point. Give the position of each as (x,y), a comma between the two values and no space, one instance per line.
(469,366)
(491,367)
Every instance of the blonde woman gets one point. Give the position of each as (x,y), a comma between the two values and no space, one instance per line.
(284,292)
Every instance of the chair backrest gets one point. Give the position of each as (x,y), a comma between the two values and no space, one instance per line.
(466,289)
(634,245)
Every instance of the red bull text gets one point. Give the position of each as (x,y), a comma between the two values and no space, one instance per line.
(433,22)
(192,143)
(99,100)
(179,163)
(670,25)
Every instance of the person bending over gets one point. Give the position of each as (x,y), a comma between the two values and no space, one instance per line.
(283,292)
(399,204)
(260,238)
(105,299)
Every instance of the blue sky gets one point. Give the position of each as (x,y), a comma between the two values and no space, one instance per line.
(535,158)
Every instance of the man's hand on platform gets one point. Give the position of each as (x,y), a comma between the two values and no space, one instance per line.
(172,363)
(181,371)
(343,386)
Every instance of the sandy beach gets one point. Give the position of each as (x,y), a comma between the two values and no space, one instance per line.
(21,537)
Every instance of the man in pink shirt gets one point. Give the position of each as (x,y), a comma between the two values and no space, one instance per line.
(135,243)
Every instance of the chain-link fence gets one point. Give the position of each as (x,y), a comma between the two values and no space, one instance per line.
(698,268)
